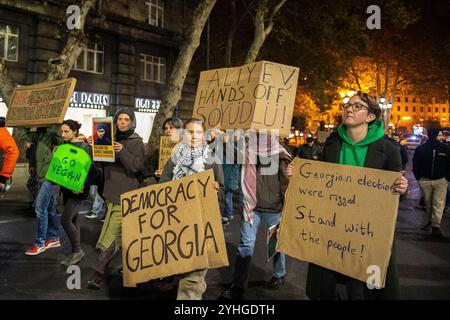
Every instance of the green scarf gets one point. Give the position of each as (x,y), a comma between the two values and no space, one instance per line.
(354,154)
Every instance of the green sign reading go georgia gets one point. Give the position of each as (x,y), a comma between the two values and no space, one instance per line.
(69,167)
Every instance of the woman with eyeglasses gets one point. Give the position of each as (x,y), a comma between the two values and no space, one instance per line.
(359,141)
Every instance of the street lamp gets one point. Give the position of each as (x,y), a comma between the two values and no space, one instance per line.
(385,110)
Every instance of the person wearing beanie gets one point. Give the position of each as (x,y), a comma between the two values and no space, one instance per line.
(359,141)
(119,177)
(431,168)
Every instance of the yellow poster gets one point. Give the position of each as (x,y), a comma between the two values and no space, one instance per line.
(103,139)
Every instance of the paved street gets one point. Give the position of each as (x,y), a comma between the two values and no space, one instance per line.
(424,262)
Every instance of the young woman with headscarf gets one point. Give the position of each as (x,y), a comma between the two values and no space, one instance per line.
(120,177)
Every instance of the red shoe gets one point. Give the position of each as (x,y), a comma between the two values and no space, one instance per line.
(52,244)
(35,250)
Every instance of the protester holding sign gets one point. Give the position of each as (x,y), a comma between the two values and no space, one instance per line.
(360,141)
(120,177)
(264,183)
(73,200)
(46,139)
(192,156)
(169,128)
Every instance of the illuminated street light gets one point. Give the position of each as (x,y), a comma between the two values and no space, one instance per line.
(351,93)
(346,99)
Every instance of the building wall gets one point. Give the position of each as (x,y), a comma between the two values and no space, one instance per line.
(124,32)
(409,110)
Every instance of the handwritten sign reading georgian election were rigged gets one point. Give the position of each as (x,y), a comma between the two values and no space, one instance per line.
(41,104)
(171,228)
(340,217)
(259,95)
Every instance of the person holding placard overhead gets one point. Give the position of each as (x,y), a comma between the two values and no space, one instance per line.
(48,218)
(70,219)
(264,184)
(192,156)
(359,141)
(120,176)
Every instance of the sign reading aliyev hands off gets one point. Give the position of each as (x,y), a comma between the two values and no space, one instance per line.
(259,95)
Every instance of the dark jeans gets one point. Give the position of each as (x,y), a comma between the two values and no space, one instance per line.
(70,221)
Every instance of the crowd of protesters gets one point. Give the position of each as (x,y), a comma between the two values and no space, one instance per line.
(359,141)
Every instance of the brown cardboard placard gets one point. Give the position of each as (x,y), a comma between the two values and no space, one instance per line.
(40,104)
(166,146)
(258,95)
(166,229)
(340,217)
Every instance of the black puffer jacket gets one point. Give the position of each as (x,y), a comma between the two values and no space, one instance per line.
(432,160)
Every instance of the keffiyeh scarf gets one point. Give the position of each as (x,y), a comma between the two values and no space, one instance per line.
(189,160)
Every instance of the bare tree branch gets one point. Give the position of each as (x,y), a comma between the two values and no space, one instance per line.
(60,67)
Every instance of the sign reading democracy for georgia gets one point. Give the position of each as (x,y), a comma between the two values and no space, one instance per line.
(171,228)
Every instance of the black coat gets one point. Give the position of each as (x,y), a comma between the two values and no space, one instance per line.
(432,160)
(383,154)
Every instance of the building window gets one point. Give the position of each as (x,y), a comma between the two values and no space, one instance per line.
(414,109)
(156,13)
(154,68)
(398,108)
(398,99)
(443,110)
(406,99)
(90,59)
(436,110)
(421,109)
(414,99)
(392,117)
(9,42)
(429,109)
(398,118)
(406,108)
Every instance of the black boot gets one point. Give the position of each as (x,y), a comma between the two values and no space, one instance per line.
(240,279)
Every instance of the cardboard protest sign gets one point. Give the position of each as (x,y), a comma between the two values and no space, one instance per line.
(103,139)
(340,217)
(69,167)
(171,228)
(41,104)
(166,146)
(256,96)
